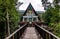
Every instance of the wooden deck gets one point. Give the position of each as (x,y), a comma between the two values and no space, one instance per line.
(30,33)
(36,32)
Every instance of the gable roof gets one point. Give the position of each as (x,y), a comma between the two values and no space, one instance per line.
(30,7)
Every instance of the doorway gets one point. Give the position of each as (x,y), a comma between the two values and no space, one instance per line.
(30,19)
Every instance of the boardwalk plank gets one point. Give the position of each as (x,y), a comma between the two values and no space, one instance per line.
(30,33)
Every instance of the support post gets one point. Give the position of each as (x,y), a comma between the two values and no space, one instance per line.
(32,19)
(28,19)
(23,19)
(37,19)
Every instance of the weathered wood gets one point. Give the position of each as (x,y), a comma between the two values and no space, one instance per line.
(30,33)
(16,32)
(47,32)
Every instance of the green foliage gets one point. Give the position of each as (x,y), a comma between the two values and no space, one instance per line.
(57,29)
(8,6)
(52,17)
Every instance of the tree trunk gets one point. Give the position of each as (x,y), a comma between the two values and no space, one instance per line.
(8,28)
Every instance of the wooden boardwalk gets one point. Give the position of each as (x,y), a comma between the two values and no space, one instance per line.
(30,33)
(36,32)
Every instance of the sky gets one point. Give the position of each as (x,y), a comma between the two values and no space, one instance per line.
(37,4)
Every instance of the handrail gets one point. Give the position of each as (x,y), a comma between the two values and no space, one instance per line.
(15,32)
(46,31)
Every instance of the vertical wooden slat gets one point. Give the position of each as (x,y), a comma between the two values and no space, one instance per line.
(51,37)
(18,35)
(46,36)
(12,37)
(45,33)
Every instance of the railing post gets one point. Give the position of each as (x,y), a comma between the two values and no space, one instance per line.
(45,33)
(18,35)
(51,37)
(13,37)
(46,36)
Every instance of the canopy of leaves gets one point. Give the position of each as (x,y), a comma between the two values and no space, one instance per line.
(8,6)
(52,17)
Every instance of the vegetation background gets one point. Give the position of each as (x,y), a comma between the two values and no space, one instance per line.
(7,8)
(52,17)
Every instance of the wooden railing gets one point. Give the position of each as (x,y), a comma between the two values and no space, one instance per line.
(45,33)
(17,34)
